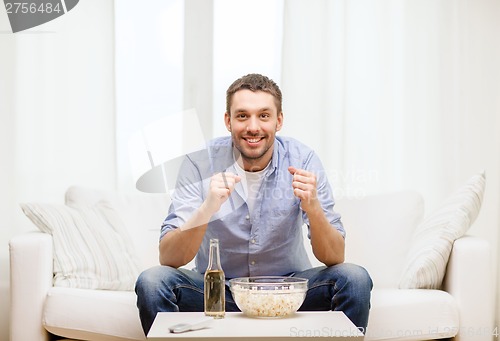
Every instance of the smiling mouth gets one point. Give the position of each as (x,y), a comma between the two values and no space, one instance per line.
(253,139)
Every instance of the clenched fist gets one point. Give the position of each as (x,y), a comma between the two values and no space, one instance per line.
(221,187)
(304,188)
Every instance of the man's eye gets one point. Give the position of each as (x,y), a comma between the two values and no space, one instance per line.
(264,115)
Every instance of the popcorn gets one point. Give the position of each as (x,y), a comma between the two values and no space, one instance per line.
(280,302)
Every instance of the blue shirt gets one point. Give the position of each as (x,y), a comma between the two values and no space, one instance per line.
(267,242)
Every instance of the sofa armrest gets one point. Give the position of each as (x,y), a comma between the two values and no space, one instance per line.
(31,273)
(468,279)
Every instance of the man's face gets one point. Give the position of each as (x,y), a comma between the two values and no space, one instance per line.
(253,121)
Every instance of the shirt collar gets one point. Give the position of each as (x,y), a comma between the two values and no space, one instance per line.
(275,160)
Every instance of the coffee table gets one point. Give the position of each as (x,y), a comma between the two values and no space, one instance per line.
(330,325)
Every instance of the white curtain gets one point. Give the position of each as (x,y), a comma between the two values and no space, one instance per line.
(148,65)
(398,95)
(56,117)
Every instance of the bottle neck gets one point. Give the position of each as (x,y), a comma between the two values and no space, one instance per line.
(214,256)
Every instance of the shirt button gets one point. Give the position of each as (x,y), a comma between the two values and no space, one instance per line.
(247,217)
(252,241)
(252,262)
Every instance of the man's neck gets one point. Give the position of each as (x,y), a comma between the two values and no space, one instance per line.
(253,165)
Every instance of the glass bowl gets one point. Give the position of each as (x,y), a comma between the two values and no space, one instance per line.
(268,296)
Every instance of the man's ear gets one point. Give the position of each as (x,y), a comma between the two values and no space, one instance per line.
(279,124)
(227,121)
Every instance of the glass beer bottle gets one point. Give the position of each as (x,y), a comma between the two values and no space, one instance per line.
(214,285)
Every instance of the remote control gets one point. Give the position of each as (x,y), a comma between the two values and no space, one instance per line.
(195,325)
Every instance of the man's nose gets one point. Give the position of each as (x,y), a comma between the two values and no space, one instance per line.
(253,125)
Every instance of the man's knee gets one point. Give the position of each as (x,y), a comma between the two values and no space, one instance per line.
(359,274)
(154,278)
(353,275)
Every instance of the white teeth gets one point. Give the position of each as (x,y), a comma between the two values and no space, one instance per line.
(253,140)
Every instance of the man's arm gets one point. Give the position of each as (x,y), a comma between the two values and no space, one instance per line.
(327,243)
(178,247)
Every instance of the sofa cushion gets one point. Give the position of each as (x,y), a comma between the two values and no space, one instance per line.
(395,314)
(412,315)
(92,249)
(433,240)
(142,214)
(378,232)
(92,314)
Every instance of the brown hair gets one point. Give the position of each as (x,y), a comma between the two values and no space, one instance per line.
(254,82)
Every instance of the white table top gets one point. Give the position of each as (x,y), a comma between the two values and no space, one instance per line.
(331,325)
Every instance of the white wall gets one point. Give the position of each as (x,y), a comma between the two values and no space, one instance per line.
(56,114)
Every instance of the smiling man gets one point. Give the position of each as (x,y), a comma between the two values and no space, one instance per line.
(253,191)
(253,118)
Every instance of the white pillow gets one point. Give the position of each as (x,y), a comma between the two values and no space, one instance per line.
(142,213)
(433,239)
(91,247)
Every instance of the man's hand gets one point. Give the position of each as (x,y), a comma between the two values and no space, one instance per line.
(180,246)
(304,188)
(221,187)
(327,243)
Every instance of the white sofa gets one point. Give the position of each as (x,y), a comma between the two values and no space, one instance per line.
(379,231)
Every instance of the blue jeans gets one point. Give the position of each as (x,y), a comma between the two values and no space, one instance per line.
(345,287)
